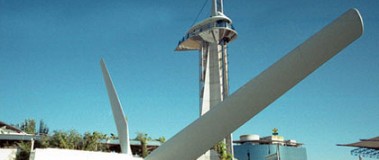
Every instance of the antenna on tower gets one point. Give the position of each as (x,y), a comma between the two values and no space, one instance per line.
(217,7)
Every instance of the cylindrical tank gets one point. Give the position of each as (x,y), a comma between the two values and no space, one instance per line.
(249,137)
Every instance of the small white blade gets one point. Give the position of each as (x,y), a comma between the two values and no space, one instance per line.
(258,93)
(118,113)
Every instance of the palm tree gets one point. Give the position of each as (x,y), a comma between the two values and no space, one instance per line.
(91,141)
(43,129)
(161,140)
(24,152)
(29,126)
(143,138)
(220,148)
(66,140)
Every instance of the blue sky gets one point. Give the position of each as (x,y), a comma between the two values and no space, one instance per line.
(50,52)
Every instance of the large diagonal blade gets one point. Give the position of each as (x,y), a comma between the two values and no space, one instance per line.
(118,113)
(258,93)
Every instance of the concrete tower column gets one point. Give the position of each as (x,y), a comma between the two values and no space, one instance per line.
(210,37)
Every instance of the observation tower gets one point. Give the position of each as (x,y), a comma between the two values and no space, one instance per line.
(211,37)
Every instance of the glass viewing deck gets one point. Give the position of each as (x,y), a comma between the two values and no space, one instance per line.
(212,30)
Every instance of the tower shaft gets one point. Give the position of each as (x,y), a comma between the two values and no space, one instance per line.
(214,84)
(212,80)
(210,37)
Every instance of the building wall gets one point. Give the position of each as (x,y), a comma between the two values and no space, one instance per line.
(65,154)
(249,151)
(8,153)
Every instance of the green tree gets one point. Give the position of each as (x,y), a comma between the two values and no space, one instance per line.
(113,136)
(43,129)
(59,139)
(66,140)
(74,140)
(44,142)
(29,126)
(24,152)
(161,140)
(220,148)
(91,142)
(143,138)
(43,133)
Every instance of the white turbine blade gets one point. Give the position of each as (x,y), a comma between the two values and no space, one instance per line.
(118,113)
(258,93)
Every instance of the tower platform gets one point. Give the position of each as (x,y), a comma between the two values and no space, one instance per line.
(212,30)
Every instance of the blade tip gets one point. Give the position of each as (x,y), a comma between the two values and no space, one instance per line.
(359,16)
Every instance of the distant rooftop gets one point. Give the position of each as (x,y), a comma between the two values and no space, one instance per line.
(372,143)
(132,142)
(11,133)
(274,139)
(9,129)
(365,147)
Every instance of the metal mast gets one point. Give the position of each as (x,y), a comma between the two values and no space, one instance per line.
(210,37)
